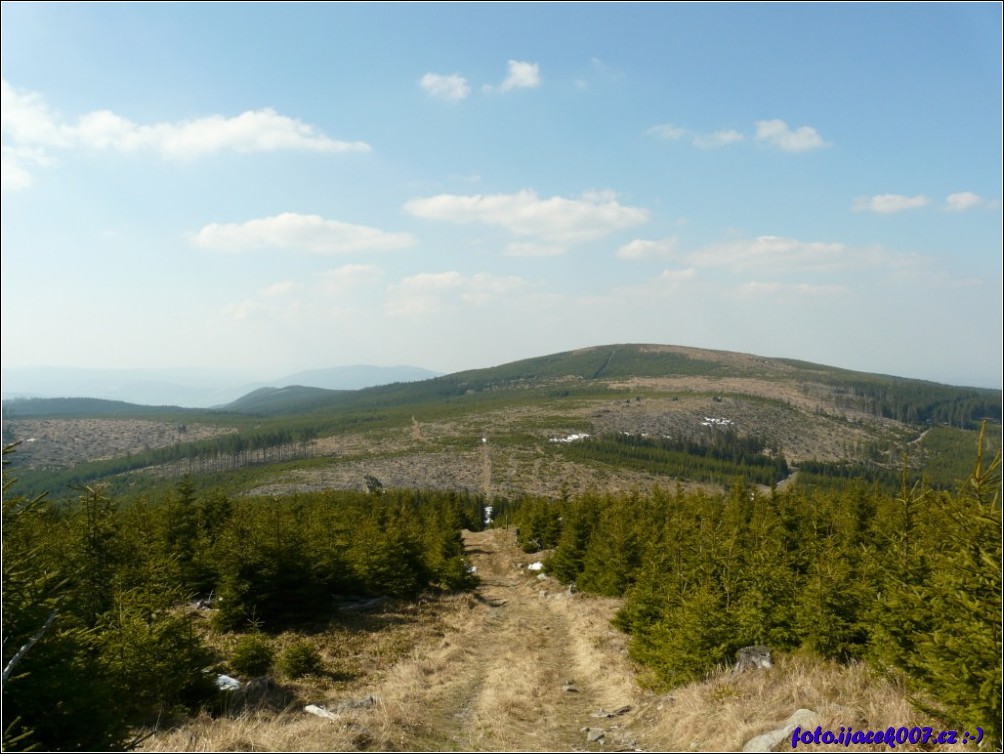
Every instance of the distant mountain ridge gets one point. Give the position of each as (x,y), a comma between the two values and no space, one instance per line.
(637,413)
(192,388)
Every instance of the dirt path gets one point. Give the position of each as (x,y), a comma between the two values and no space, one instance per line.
(486,470)
(788,481)
(524,667)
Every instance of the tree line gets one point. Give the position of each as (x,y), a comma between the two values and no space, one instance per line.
(716,459)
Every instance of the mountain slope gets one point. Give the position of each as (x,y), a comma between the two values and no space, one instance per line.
(607,417)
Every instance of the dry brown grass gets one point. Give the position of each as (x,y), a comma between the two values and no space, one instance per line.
(490,672)
(725,711)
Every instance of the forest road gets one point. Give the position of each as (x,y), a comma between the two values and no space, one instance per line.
(522,666)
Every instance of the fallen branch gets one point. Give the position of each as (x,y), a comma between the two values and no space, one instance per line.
(27,646)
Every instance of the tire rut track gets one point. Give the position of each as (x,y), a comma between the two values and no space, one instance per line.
(499,678)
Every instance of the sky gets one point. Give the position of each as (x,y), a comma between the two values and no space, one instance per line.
(285,187)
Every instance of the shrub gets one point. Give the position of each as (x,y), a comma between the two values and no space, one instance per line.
(299,659)
(252,656)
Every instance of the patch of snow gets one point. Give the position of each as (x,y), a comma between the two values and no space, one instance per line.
(710,421)
(570,438)
(535,566)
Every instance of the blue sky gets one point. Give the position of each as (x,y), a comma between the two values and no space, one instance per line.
(284,187)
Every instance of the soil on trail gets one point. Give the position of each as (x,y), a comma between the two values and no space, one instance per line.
(524,665)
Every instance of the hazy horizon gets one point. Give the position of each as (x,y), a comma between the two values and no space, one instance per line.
(278,189)
(228,378)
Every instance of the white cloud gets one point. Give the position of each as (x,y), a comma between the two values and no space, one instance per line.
(754,289)
(280,289)
(785,255)
(774,133)
(968,200)
(668,131)
(677,276)
(522,75)
(14,166)
(777,134)
(430,292)
(241,310)
(702,141)
(14,176)
(452,88)
(349,276)
(534,249)
(304,232)
(252,131)
(28,121)
(718,139)
(644,249)
(26,118)
(769,252)
(556,220)
(887,204)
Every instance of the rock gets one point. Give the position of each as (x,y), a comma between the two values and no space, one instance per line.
(226,683)
(259,687)
(768,741)
(206,603)
(612,713)
(753,658)
(346,706)
(353,704)
(362,737)
(570,687)
(361,605)
(595,734)
(263,692)
(320,711)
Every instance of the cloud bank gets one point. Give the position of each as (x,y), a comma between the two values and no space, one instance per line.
(556,220)
(771,133)
(290,230)
(887,204)
(29,124)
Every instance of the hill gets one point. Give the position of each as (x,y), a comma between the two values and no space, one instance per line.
(607,417)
